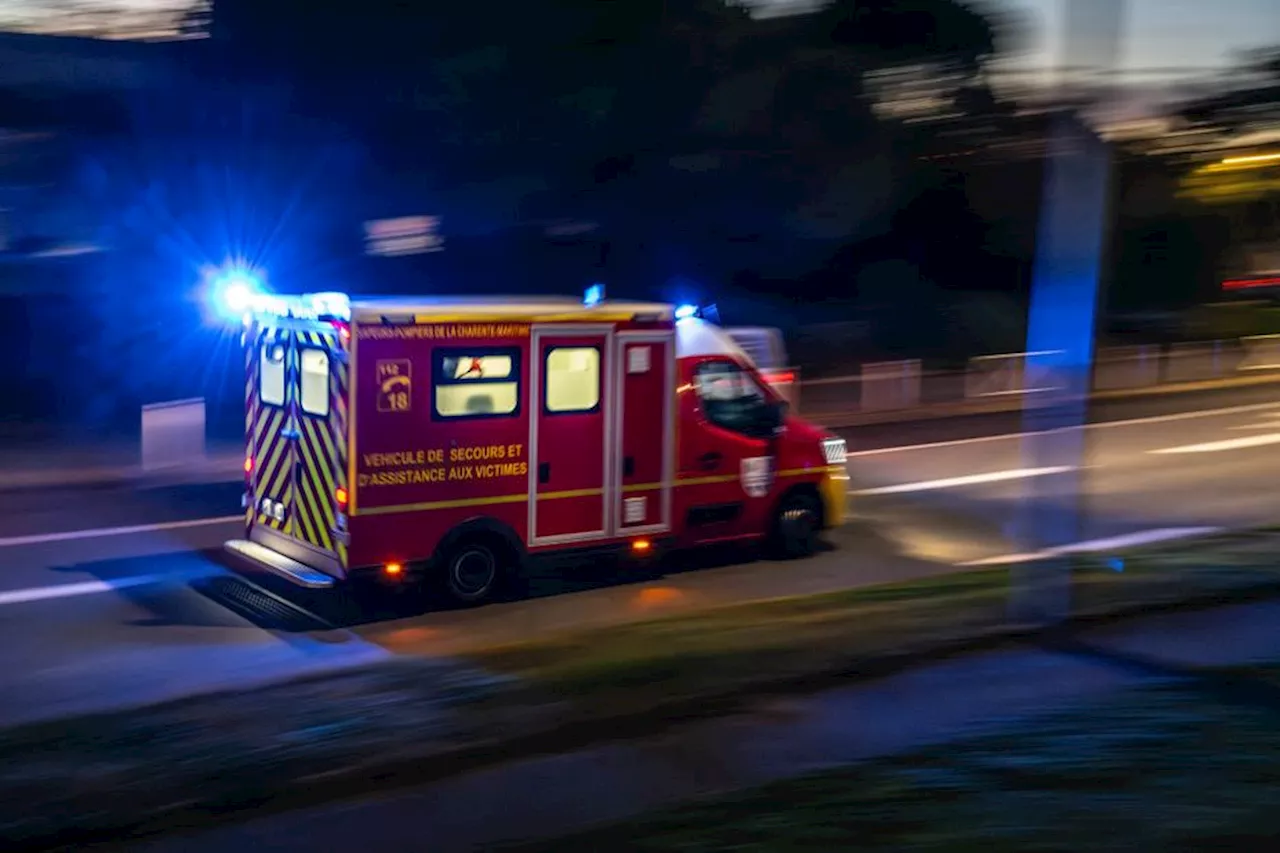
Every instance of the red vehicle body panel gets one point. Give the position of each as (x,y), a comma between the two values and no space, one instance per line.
(548,476)
(713,499)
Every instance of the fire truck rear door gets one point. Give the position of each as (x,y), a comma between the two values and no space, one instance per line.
(571,418)
(317,443)
(296,440)
(270,448)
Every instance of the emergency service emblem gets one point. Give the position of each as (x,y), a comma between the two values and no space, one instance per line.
(757,476)
(395,385)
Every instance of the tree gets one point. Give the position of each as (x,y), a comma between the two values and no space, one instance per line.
(1251,104)
(662,120)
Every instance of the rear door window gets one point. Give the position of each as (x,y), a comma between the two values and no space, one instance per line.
(271,378)
(313,382)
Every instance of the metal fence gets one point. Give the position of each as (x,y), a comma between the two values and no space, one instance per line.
(882,387)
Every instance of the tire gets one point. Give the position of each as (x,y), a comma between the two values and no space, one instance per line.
(474,570)
(795,526)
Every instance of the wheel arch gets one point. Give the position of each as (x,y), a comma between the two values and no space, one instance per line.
(487,528)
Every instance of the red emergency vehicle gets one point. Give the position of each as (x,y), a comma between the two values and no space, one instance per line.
(457,438)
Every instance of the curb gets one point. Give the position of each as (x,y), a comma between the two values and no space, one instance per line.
(410,771)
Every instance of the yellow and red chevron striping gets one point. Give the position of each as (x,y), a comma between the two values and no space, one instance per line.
(299,459)
(338,398)
(314,508)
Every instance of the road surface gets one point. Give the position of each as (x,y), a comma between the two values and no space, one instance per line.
(114,598)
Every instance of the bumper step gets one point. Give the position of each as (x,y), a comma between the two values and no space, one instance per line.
(278,563)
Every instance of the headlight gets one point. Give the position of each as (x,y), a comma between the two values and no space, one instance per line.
(835,451)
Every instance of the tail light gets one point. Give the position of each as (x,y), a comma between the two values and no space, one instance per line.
(248,465)
(340,520)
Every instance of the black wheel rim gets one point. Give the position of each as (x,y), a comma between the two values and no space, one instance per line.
(798,523)
(473,572)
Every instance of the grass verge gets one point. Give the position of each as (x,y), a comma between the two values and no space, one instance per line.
(95,778)
(727,650)
(1149,769)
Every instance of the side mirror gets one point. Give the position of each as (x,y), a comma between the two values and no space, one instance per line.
(772,418)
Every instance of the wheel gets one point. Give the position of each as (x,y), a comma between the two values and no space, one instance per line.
(473,571)
(795,526)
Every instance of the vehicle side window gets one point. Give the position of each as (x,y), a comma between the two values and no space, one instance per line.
(271,378)
(731,398)
(313,392)
(573,379)
(476,383)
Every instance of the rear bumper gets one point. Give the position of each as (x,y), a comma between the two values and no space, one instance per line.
(261,557)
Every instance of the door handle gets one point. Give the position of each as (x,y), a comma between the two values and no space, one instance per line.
(628,466)
(710,461)
(544,473)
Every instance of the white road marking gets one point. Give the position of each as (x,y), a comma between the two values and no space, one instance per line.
(102,532)
(1224,444)
(70,590)
(1156,419)
(94,587)
(967,480)
(1093,546)
(1268,422)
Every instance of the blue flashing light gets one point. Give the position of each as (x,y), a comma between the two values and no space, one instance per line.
(240,295)
(594,295)
(235,292)
(684,312)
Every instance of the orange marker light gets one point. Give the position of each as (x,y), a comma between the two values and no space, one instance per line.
(393,569)
(641,546)
(248,464)
(341,495)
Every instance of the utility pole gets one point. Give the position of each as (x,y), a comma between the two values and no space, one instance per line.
(1062,322)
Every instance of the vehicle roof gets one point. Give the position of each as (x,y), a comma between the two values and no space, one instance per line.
(429,309)
(697,337)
